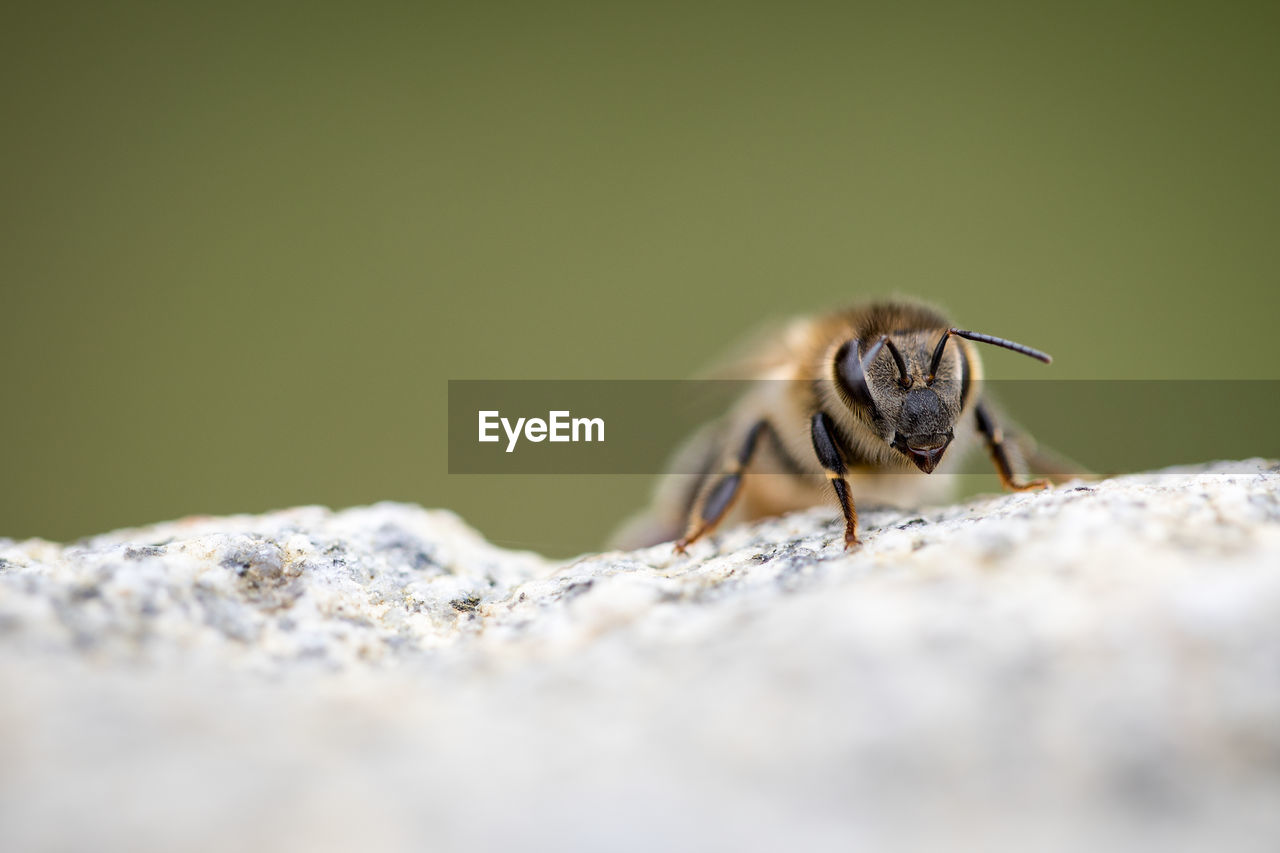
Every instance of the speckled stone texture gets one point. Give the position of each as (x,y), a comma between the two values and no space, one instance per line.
(1093,667)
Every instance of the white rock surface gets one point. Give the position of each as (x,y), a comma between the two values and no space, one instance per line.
(1093,667)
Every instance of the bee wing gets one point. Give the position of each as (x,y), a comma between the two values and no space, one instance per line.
(1029,456)
(1048,462)
(769,348)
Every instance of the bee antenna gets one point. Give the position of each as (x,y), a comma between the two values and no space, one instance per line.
(994,341)
(903,380)
(937,355)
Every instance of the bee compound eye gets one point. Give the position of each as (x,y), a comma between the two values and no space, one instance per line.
(851,371)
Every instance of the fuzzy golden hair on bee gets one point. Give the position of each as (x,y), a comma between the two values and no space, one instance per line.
(870,402)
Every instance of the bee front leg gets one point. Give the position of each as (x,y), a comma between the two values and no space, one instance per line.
(715,502)
(829,457)
(995,444)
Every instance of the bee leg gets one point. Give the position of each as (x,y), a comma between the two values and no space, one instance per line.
(995,444)
(707,513)
(829,457)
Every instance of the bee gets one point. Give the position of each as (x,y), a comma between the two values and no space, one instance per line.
(874,400)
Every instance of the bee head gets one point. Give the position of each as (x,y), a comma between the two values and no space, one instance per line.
(911,387)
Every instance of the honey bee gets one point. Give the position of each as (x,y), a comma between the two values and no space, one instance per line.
(872,399)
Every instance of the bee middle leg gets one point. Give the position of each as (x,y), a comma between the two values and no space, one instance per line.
(714,504)
(995,444)
(824,445)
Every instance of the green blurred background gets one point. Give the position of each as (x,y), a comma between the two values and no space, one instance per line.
(244,246)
